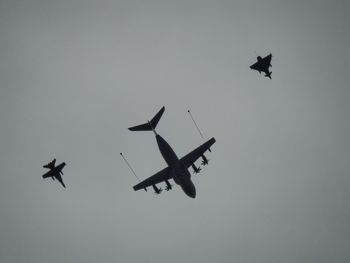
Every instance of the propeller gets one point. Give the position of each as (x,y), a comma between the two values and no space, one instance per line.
(168,186)
(196,169)
(157,190)
(205,162)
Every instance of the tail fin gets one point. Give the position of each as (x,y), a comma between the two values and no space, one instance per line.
(268,74)
(50,165)
(150,125)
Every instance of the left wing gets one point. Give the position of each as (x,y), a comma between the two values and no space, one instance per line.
(190,158)
(154,179)
(48,174)
(257,66)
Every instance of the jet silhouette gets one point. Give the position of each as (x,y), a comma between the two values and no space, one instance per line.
(177,169)
(55,171)
(263,65)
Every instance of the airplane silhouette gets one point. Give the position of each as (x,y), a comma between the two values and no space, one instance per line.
(55,171)
(263,65)
(177,169)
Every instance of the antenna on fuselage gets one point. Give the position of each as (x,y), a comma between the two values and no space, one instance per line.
(127,163)
(189,112)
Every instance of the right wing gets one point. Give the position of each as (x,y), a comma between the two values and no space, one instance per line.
(154,179)
(267,60)
(190,158)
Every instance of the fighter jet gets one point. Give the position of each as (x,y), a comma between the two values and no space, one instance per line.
(177,169)
(263,65)
(55,171)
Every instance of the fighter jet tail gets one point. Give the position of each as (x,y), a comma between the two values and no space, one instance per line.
(150,125)
(268,74)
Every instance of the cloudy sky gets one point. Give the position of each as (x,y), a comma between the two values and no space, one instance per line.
(74,75)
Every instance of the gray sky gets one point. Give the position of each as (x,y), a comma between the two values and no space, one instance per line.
(75,74)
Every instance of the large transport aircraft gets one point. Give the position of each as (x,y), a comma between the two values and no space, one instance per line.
(177,169)
(55,171)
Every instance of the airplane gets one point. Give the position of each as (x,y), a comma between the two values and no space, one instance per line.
(263,65)
(177,169)
(55,171)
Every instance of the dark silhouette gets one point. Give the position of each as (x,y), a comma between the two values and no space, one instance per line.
(204,159)
(263,65)
(196,169)
(177,169)
(55,171)
(168,186)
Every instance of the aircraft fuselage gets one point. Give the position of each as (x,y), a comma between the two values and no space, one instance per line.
(181,175)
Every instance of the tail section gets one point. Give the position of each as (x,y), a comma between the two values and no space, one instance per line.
(268,74)
(50,165)
(150,125)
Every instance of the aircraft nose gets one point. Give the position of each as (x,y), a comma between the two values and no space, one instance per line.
(192,195)
(188,188)
(191,192)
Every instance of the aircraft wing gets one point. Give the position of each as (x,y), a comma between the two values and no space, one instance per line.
(267,60)
(257,66)
(154,179)
(47,175)
(263,64)
(190,158)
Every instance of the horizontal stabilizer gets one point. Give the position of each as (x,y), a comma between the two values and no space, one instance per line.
(151,125)
(142,127)
(50,165)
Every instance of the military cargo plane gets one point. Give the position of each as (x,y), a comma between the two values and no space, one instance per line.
(177,169)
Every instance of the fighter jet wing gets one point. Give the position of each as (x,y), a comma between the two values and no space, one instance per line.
(48,174)
(190,158)
(263,64)
(257,66)
(154,179)
(267,60)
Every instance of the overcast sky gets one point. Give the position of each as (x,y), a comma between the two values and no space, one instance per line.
(74,75)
